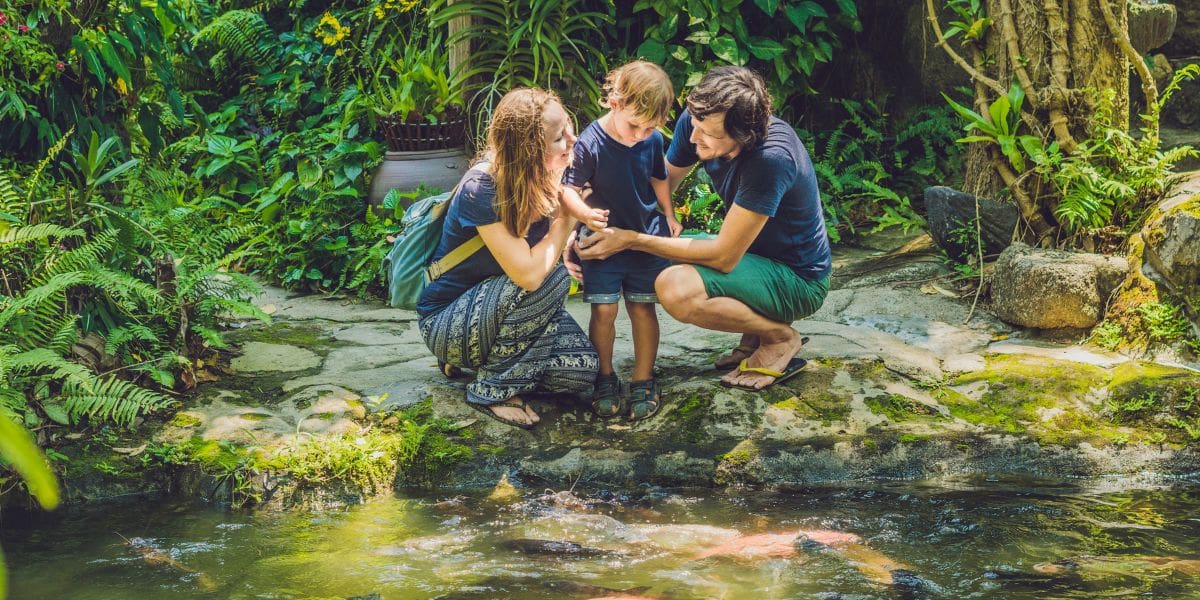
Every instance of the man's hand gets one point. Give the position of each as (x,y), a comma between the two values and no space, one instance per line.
(570,256)
(605,243)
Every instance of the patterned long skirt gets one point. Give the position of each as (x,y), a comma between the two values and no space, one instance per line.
(517,341)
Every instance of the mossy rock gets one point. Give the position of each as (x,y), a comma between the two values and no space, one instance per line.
(733,466)
(1053,401)
(897,407)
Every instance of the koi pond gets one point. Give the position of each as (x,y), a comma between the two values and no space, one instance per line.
(903,540)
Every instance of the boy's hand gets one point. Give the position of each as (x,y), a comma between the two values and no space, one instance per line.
(675,225)
(596,219)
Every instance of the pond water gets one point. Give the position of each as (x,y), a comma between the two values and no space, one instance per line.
(969,541)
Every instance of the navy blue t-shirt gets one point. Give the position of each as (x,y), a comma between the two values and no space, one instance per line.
(775,179)
(470,209)
(620,178)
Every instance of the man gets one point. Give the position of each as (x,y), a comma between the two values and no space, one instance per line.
(770,264)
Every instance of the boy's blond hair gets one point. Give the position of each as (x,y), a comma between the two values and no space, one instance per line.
(642,87)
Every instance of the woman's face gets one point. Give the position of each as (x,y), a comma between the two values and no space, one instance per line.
(560,137)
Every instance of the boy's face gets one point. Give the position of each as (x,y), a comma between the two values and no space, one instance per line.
(711,139)
(632,128)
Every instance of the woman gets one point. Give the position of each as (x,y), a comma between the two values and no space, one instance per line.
(501,311)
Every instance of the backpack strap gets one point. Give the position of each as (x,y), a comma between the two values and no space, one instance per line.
(452,258)
(464,250)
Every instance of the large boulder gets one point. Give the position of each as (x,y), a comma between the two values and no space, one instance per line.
(1150,25)
(1186,41)
(950,215)
(1052,289)
(1172,236)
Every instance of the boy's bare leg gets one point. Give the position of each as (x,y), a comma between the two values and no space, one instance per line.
(645,339)
(602,329)
(681,292)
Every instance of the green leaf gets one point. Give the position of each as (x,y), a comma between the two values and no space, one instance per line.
(117,170)
(767,6)
(89,58)
(765,49)
(801,13)
(999,111)
(309,172)
(55,412)
(18,448)
(726,49)
(653,51)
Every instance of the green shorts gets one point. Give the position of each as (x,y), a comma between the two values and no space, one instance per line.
(769,287)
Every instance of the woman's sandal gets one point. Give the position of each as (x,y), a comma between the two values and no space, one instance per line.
(607,401)
(449,370)
(644,399)
(487,410)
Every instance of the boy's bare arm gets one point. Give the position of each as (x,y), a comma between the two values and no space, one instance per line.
(662,191)
(572,201)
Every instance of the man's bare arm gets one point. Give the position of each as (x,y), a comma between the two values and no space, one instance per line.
(722,253)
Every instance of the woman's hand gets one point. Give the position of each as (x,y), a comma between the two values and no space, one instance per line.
(570,257)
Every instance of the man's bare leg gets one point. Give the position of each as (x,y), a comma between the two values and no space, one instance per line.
(681,293)
(737,355)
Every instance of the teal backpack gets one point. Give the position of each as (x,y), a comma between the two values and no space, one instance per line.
(407,266)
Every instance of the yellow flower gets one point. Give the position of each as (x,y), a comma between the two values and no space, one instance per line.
(121,87)
(378,12)
(330,31)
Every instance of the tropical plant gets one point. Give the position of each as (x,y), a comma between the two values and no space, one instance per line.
(415,87)
(537,43)
(870,163)
(783,40)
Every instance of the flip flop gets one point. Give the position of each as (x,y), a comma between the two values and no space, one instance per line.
(487,410)
(794,366)
(747,349)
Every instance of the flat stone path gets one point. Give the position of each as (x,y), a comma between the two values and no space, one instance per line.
(898,386)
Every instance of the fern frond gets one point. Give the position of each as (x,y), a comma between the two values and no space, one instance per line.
(118,337)
(83,258)
(43,360)
(111,399)
(51,154)
(52,288)
(241,37)
(32,233)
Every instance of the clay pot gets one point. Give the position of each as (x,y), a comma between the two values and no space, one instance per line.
(439,169)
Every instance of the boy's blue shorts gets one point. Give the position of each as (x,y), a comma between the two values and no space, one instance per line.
(630,271)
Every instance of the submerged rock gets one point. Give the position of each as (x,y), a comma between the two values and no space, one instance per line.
(552,547)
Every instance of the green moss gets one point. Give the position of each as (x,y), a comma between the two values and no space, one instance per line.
(731,466)
(184,420)
(254,416)
(911,438)
(1041,397)
(818,405)
(898,408)
(689,417)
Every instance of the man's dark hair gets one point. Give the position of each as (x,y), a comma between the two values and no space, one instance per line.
(739,93)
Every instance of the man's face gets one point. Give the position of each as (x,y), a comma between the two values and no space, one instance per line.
(710,138)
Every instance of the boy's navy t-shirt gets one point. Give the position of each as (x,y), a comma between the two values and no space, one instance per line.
(775,179)
(620,178)
(470,209)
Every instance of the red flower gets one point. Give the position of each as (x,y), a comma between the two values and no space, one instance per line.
(23,28)
(59,65)
(3,18)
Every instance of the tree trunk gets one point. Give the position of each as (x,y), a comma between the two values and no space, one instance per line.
(1062,53)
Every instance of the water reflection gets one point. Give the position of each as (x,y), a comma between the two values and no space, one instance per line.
(893,541)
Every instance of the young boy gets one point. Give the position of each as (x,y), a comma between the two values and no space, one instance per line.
(621,157)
